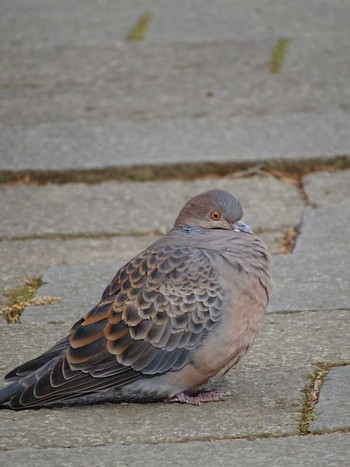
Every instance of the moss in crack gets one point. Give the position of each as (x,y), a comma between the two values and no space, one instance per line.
(286,241)
(311,395)
(278,54)
(288,170)
(138,32)
(25,292)
(21,297)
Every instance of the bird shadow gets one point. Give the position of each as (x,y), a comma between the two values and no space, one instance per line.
(111,396)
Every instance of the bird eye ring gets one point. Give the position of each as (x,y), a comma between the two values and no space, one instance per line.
(215,215)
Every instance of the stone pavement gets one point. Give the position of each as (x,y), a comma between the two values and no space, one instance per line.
(249,96)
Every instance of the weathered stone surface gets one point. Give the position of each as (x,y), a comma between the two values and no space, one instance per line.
(85,145)
(315,276)
(324,451)
(36,24)
(327,188)
(312,280)
(79,287)
(257,411)
(333,407)
(324,231)
(146,82)
(102,80)
(129,208)
(83,22)
(305,337)
(87,100)
(20,260)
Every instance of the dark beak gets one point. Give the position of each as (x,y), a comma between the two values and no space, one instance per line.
(240,226)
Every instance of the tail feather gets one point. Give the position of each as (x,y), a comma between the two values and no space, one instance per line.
(8,392)
(56,382)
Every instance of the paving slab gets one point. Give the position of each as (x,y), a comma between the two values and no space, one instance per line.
(315,276)
(121,105)
(35,23)
(199,88)
(85,145)
(324,231)
(160,422)
(146,82)
(309,337)
(79,287)
(327,189)
(134,208)
(198,20)
(310,281)
(324,451)
(332,411)
(130,82)
(21,260)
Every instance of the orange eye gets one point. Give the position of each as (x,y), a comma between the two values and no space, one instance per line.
(215,216)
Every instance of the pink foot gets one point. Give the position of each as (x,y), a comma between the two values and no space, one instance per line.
(201,396)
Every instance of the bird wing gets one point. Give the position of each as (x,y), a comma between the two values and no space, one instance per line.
(157,309)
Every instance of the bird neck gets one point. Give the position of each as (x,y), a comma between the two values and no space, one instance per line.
(188,230)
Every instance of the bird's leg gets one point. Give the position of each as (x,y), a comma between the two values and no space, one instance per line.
(200,396)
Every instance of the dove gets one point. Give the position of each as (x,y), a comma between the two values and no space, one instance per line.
(180,313)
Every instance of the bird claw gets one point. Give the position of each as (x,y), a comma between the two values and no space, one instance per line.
(199,397)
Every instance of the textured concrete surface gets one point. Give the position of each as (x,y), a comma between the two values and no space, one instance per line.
(316,276)
(77,96)
(22,259)
(84,145)
(327,189)
(315,281)
(324,226)
(328,450)
(86,22)
(136,208)
(333,408)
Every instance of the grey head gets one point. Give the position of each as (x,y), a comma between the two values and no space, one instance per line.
(213,209)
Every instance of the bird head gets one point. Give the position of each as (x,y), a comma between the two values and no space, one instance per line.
(213,209)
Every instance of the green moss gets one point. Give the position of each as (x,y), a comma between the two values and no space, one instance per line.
(278,54)
(138,32)
(24,292)
(19,298)
(311,395)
